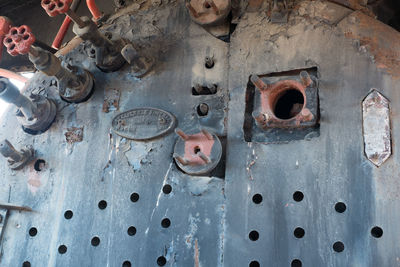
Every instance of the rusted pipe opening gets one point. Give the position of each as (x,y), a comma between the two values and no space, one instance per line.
(288,103)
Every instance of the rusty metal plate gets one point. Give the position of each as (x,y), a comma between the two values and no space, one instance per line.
(143,123)
(376,128)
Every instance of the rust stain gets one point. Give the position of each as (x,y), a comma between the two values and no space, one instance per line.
(379,39)
(196,254)
(74,135)
(33,181)
(111,100)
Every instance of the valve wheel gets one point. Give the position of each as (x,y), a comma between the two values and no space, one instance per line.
(19,40)
(56,7)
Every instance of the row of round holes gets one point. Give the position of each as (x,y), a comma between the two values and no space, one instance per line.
(165,223)
(299,232)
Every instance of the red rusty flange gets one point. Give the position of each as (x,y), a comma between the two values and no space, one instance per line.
(19,40)
(269,95)
(56,7)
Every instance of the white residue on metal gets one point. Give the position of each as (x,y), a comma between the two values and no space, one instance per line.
(159,195)
(137,154)
(192,230)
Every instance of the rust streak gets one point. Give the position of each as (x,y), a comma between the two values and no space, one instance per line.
(196,254)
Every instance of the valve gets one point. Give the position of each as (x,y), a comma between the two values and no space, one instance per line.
(197,154)
(74,84)
(107,53)
(35,114)
(16,159)
(19,40)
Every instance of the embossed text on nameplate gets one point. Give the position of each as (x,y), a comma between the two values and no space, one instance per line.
(143,123)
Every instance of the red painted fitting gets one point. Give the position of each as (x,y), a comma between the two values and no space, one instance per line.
(61,33)
(19,40)
(5,25)
(93,9)
(56,7)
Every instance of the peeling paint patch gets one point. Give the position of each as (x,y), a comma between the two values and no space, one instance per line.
(137,154)
(376,128)
(192,230)
(111,100)
(74,135)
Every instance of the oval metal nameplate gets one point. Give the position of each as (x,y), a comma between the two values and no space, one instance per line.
(143,123)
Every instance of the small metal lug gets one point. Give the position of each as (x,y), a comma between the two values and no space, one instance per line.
(260,118)
(258,82)
(207,134)
(181,160)
(204,157)
(307,115)
(181,134)
(192,11)
(305,78)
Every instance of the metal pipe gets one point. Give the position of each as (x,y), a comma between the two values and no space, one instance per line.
(93,9)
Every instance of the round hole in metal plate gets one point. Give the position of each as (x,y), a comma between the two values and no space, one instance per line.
(132,230)
(161,261)
(338,246)
(62,249)
(68,214)
(298,196)
(254,235)
(167,189)
(102,204)
(134,197)
(33,231)
(126,264)
(340,207)
(257,198)
(299,232)
(376,232)
(95,241)
(296,263)
(254,264)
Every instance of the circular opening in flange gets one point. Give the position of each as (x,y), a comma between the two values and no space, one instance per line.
(299,232)
(102,204)
(9,40)
(376,232)
(167,189)
(254,264)
(257,198)
(298,196)
(165,223)
(68,214)
(62,249)
(296,263)
(26,37)
(14,32)
(126,264)
(338,246)
(95,241)
(340,207)
(33,231)
(22,31)
(134,197)
(161,261)
(196,149)
(26,264)
(39,165)
(288,104)
(132,231)
(253,235)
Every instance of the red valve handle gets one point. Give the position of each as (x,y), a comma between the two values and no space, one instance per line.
(19,40)
(56,7)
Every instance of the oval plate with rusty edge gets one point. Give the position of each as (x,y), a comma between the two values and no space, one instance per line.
(143,124)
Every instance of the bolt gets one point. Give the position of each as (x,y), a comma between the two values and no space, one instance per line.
(261,118)
(181,134)
(305,78)
(207,134)
(258,82)
(203,109)
(181,160)
(204,157)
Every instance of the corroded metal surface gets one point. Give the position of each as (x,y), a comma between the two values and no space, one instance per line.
(314,199)
(376,128)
